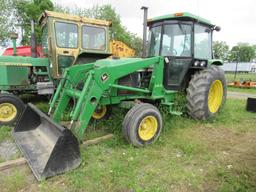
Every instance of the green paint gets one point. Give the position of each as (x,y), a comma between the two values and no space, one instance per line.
(185,16)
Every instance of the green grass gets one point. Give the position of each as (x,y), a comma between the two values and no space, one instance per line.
(242,90)
(240,77)
(14,181)
(5,133)
(189,156)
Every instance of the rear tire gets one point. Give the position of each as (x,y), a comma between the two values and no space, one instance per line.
(206,93)
(142,124)
(11,108)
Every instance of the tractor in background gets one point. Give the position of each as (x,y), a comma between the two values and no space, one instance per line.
(179,57)
(66,40)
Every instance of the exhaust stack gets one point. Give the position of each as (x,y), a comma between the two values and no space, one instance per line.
(33,39)
(14,37)
(145,9)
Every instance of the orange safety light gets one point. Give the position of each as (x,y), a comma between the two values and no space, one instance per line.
(178,14)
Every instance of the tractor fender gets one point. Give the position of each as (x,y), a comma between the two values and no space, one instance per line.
(217,62)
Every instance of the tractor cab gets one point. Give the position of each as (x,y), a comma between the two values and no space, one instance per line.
(68,40)
(185,40)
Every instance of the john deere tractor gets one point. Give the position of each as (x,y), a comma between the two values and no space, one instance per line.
(66,40)
(179,57)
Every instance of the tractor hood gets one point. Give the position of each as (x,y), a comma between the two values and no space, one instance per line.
(23,61)
(115,62)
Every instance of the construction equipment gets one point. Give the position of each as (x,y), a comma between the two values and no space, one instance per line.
(179,58)
(66,40)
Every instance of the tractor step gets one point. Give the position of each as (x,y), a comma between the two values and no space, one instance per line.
(49,148)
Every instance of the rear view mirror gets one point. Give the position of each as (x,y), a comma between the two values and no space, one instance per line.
(216,28)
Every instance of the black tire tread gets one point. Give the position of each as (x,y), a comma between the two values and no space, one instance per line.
(132,118)
(197,92)
(20,106)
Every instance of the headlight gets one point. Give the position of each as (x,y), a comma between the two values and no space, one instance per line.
(203,63)
(196,63)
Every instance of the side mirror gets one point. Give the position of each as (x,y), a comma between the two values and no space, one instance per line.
(216,28)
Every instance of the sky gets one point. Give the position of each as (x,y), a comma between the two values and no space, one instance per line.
(236,18)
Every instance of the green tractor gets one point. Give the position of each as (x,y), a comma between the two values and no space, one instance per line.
(66,40)
(179,58)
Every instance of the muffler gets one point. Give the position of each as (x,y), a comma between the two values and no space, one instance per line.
(49,148)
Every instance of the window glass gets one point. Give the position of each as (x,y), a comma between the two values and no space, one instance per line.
(203,49)
(94,38)
(66,34)
(177,40)
(154,41)
(45,39)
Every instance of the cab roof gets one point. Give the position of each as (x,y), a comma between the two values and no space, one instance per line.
(185,16)
(74,18)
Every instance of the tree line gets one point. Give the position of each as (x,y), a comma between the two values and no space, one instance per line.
(242,52)
(17,14)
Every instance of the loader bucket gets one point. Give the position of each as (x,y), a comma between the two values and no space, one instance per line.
(49,148)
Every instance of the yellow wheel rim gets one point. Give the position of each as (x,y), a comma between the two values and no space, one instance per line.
(148,128)
(100,112)
(7,112)
(215,96)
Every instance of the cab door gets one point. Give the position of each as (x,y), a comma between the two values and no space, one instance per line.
(67,45)
(176,48)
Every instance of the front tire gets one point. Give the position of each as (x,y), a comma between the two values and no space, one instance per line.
(142,124)
(206,93)
(11,108)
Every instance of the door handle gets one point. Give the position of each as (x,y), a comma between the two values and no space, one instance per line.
(65,52)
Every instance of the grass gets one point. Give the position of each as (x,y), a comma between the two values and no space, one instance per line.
(242,90)
(215,155)
(240,77)
(5,133)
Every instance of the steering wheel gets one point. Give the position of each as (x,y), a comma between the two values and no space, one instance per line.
(174,52)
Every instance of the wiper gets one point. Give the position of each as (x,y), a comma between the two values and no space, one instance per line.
(181,28)
(185,35)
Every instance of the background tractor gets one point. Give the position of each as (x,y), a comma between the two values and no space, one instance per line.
(67,40)
(179,58)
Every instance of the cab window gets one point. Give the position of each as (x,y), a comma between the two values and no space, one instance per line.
(94,38)
(203,46)
(177,40)
(66,35)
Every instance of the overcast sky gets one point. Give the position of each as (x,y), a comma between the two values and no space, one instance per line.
(237,18)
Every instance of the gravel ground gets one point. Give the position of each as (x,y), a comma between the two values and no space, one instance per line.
(239,95)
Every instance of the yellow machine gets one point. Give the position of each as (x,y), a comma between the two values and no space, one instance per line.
(120,49)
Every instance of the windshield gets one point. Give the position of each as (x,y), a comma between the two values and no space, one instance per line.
(66,34)
(176,40)
(94,38)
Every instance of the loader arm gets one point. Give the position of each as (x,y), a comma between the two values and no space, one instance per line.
(97,79)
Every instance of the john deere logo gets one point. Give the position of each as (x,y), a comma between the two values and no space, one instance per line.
(104,77)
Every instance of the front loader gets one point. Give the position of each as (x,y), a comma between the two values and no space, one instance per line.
(66,40)
(179,58)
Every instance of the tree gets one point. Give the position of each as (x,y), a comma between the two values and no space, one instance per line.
(7,20)
(242,52)
(220,50)
(107,12)
(27,10)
